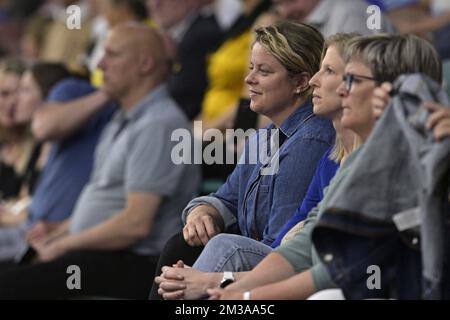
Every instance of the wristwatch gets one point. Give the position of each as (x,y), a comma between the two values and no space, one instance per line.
(227,279)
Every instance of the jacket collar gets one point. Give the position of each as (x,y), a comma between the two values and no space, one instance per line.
(296,119)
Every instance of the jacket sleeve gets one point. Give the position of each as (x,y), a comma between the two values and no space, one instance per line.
(227,216)
(225,200)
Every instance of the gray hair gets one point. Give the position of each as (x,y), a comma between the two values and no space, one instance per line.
(390,55)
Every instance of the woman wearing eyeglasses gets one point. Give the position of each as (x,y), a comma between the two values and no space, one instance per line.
(294,270)
(361,77)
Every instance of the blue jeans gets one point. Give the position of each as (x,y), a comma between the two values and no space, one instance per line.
(230,252)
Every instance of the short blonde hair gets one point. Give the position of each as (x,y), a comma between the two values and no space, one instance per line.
(297,46)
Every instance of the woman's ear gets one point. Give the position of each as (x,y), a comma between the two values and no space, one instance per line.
(301,82)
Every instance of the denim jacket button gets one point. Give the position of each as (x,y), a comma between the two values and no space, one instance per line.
(328,257)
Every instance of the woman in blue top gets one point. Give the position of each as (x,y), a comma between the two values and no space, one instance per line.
(326,169)
(227,252)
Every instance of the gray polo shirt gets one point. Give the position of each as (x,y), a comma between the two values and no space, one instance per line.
(134,155)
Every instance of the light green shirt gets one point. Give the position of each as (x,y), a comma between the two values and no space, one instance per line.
(299,250)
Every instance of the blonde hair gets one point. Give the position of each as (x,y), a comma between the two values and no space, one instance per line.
(340,42)
(297,46)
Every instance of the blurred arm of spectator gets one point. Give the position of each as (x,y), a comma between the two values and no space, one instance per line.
(44,238)
(12,214)
(417,18)
(55,121)
(426,24)
(118,232)
(41,229)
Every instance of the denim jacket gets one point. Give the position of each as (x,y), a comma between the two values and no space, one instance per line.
(262,204)
(392,210)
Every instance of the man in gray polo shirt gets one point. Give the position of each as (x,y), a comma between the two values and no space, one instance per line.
(133,201)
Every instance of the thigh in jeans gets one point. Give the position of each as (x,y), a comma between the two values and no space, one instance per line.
(229,252)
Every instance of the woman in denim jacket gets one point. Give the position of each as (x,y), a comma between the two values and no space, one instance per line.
(236,253)
(259,198)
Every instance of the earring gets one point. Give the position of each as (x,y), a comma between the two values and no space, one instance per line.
(297,91)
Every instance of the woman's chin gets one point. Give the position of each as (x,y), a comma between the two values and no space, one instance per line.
(346,123)
(255,107)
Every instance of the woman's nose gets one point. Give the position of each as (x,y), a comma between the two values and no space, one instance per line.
(341,90)
(250,79)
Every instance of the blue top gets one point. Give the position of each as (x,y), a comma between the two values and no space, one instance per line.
(70,161)
(389,5)
(326,169)
(262,204)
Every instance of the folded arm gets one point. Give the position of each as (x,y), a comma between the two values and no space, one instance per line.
(118,232)
(55,121)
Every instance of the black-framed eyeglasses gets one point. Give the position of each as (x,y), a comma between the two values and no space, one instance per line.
(349,77)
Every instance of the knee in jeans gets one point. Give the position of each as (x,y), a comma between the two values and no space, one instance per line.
(223,240)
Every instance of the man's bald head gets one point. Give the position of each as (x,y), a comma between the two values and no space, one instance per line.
(134,54)
(145,40)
